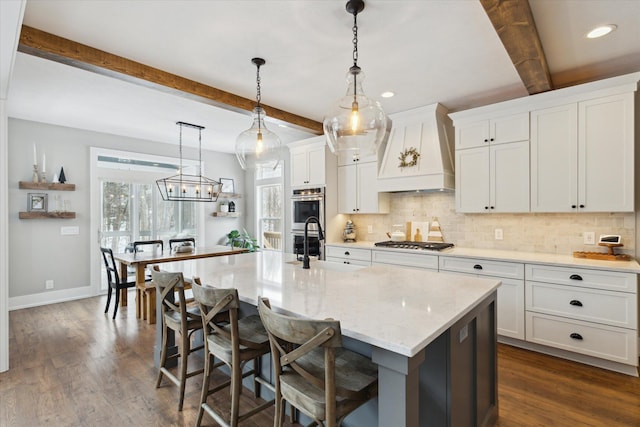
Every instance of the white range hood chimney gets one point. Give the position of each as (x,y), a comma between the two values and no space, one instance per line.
(425,131)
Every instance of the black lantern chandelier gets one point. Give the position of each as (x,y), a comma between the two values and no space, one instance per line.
(356,124)
(258,146)
(189,188)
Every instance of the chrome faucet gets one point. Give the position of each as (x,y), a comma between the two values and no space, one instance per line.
(305,258)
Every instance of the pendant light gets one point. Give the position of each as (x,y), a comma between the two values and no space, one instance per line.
(258,146)
(356,124)
(190,188)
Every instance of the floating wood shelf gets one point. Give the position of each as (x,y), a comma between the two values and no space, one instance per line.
(37,215)
(229,196)
(226,214)
(27,185)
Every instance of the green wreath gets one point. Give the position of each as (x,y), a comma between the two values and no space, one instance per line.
(408,153)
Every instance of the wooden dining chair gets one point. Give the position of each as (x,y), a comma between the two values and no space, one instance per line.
(155,244)
(181,240)
(116,283)
(313,372)
(234,342)
(179,317)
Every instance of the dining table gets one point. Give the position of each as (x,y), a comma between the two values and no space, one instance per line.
(145,291)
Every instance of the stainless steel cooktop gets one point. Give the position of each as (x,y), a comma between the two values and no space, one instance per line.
(427,246)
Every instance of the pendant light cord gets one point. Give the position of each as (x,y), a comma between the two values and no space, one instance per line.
(355,69)
(258,95)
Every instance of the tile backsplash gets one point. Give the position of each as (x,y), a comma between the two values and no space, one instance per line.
(559,233)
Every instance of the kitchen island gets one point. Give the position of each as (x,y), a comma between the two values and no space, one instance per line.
(433,335)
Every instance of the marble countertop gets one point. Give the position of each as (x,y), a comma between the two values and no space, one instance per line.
(515,256)
(397,309)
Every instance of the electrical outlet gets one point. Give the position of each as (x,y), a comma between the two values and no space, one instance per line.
(48,284)
(589,237)
(498,233)
(370,229)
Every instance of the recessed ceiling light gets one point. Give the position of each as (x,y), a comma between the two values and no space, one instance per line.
(387,94)
(601,31)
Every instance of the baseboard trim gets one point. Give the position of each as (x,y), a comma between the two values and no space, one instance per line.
(576,357)
(50,297)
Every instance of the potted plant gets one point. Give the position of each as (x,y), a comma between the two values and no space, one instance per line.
(237,239)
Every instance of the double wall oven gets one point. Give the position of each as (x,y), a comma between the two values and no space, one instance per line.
(306,203)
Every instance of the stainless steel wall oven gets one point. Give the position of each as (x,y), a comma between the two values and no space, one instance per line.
(306,203)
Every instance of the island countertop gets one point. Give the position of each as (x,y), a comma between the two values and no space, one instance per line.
(401,310)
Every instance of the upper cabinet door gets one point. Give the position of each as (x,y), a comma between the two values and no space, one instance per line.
(509,177)
(606,154)
(472,180)
(499,130)
(299,173)
(316,164)
(554,159)
(308,164)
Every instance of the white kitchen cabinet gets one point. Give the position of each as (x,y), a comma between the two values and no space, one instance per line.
(348,255)
(308,163)
(358,190)
(493,178)
(511,311)
(590,312)
(498,130)
(582,156)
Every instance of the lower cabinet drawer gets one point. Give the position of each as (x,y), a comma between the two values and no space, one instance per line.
(348,261)
(405,259)
(348,253)
(482,267)
(605,342)
(593,305)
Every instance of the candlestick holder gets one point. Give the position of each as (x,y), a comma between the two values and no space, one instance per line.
(35,174)
(43,178)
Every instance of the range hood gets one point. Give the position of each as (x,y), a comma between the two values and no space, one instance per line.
(428,132)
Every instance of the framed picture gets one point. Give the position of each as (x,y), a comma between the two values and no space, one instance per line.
(226,185)
(37,202)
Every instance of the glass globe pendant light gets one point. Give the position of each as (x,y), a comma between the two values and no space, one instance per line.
(356,124)
(258,146)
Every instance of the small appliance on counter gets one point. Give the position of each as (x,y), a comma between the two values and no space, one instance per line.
(397,235)
(349,233)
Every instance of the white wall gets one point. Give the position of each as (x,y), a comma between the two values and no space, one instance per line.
(37,250)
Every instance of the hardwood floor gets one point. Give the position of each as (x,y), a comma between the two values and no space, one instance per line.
(71,365)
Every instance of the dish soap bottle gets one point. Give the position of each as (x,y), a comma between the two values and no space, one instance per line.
(417,237)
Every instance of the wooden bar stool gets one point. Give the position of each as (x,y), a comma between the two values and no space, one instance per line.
(313,372)
(180,317)
(234,341)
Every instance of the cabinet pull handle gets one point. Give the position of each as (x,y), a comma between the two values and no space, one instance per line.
(347,253)
(492,139)
(582,206)
(346,262)
(573,206)
(492,207)
(486,140)
(575,302)
(486,207)
(576,336)
(477,267)
(575,277)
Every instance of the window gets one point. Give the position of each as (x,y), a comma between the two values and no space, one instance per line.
(269,203)
(130,206)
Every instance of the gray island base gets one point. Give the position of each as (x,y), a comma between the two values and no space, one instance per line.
(432,335)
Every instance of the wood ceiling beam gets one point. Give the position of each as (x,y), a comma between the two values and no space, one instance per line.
(513,21)
(45,45)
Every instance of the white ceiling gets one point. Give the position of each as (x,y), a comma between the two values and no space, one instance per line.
(425,51)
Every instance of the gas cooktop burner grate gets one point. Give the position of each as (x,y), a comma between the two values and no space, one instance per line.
(428,246)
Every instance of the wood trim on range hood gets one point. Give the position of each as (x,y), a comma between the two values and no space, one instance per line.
(49,46)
